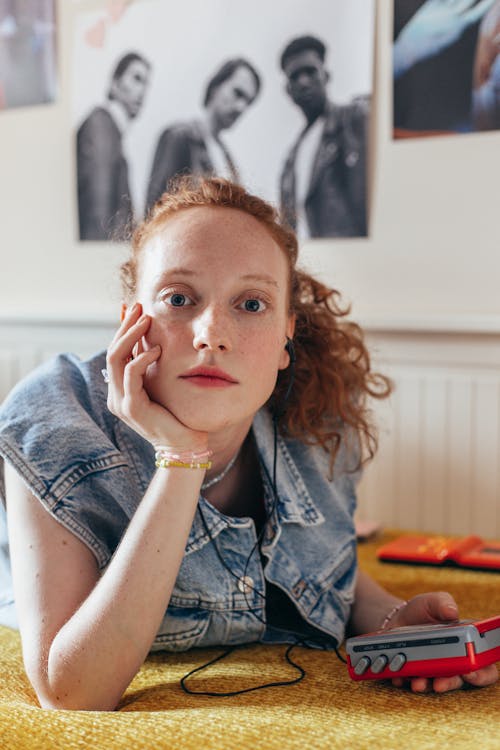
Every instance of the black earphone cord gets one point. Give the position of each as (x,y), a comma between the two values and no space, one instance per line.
(300,640)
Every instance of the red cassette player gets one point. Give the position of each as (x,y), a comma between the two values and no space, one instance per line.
(424,650)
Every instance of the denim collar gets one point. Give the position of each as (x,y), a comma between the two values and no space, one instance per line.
(295,504)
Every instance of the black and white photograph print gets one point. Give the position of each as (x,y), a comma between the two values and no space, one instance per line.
(323,180)
(197,146)
(27,53)
(273,95)
(104,200)
(446,67)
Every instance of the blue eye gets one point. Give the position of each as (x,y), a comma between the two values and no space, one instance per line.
(176,299)
(254,305)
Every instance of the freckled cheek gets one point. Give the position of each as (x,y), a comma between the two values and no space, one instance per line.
(263,346)
(167,335)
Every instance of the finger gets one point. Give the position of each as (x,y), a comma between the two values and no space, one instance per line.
(478,11)
(130,318)
(398,682)
(139,347)
(461,6)
(133,401)
(420,685)
(441,607)
(446,607)
(133,379)
(120,353)
(445,684)
(482,677)
(434,607)
(122,347)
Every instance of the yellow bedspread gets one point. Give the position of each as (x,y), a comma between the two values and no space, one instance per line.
(325,710)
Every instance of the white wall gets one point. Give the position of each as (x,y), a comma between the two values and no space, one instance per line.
(424,284)
(437,467)
(433,253)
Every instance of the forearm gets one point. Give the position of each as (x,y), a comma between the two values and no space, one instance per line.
(371,605)
(99,650)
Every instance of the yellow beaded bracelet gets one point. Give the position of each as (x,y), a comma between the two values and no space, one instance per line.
(166,463)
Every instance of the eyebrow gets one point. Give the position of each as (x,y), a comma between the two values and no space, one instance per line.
(165,276)
(261,278)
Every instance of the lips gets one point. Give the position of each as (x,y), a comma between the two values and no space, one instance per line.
(208,375)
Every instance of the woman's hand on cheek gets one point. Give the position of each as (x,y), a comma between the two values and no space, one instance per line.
(127,363)
(437,608)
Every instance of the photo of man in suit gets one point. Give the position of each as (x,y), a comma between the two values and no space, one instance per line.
(104,201)
(196,146)
(323,181)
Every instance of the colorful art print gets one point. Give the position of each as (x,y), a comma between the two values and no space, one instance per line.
(446,66)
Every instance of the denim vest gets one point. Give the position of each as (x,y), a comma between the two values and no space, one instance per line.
(90,471)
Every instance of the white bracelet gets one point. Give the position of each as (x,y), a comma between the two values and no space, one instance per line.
(392,613)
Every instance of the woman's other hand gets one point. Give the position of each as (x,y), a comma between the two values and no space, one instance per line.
(437,608)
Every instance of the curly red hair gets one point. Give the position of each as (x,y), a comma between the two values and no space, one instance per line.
(333,377)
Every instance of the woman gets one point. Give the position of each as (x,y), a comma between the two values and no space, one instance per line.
(130,557)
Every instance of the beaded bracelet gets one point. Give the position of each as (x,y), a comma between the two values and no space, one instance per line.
(166,463)
(167,457)
(162,451)
(391,614)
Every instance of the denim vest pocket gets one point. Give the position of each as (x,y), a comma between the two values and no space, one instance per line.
(182,628)
(336,592)
(340,573)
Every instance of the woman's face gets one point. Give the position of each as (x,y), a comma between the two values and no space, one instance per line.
(216,286)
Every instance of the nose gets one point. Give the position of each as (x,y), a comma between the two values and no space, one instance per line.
(212,330)
(303,80)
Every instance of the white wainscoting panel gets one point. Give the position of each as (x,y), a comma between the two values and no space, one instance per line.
(24,344)
(437,469)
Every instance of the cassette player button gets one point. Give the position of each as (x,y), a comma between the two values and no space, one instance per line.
(379,664)
(362,665)
(397,662)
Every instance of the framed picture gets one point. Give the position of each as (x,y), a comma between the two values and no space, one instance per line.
(275,95)
(27,53)
(446,67)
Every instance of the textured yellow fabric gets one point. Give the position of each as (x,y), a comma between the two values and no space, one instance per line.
(325,710)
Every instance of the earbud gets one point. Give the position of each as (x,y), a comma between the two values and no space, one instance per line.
(279,409)
(291,350)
